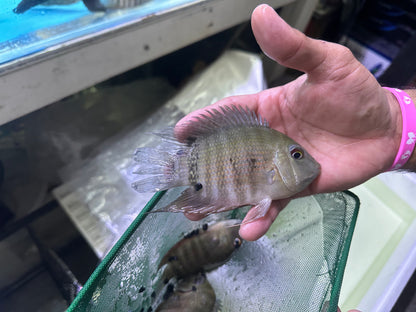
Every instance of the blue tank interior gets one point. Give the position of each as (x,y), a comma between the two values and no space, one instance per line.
(44,26)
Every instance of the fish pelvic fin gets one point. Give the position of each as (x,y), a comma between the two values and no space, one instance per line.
(258,211)
(159,168)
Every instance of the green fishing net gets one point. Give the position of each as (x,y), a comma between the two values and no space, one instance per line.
(297,266)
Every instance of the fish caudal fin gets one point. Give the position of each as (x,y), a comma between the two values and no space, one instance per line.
(153,183)
(159,168)
(151,160)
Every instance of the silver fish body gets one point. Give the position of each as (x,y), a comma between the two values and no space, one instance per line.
(232,158)
(192,294)
(201,250)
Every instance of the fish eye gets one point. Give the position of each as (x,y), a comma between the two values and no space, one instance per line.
(296,152)
(237,242)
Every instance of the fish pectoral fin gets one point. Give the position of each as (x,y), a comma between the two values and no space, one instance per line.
(258,211)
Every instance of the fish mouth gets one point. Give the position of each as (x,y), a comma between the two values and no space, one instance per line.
(314,173)
(301,180)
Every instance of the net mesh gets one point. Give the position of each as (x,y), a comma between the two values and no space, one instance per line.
(297,266)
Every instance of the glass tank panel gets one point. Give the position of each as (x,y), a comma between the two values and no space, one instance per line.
(30,26)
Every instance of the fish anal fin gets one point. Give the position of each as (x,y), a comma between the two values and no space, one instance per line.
(190,201)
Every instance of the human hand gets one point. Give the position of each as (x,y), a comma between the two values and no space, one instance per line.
(337,111)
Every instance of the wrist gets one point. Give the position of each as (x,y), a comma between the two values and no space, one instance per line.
(411,163)
(405,120)
(397,128)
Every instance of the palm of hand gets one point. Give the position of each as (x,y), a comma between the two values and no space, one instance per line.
(338,122)
(337,111)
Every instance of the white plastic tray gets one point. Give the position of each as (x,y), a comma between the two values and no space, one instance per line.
(383,250)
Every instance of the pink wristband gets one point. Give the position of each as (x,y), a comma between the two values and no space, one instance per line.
(408,141)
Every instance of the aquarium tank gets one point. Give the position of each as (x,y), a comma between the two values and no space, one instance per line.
(31,26)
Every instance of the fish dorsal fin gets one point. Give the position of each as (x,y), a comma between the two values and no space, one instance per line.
(222,118)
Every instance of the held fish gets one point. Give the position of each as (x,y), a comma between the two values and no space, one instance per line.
(232,158)
(193,294)
(201,250)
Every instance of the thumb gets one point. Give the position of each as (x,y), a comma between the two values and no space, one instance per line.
(291,48)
